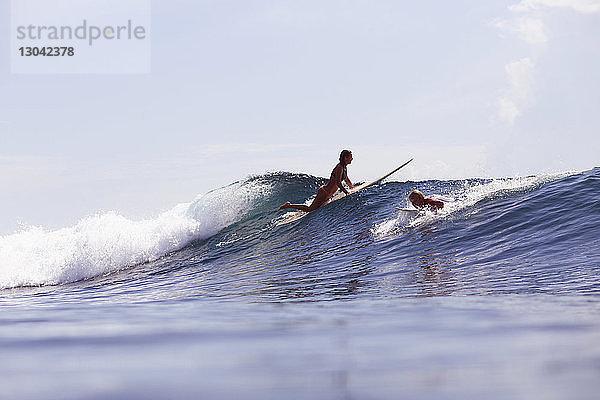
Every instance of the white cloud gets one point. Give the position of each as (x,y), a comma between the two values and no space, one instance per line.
(582,6)
(520,76)
(530,30)
(507,110)
(520,73)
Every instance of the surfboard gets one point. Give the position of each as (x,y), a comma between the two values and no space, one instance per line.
(293,216)
(365,185)
(410,212)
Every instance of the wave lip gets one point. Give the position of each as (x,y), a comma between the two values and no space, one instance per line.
(464,198)
(106,243)
(96,246)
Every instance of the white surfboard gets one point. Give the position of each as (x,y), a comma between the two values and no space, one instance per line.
(365,185)
(293,216)
(409,212)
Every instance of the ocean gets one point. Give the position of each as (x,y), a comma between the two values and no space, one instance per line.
(497,296)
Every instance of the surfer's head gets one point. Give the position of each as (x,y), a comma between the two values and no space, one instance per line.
(346,157)
(416,198)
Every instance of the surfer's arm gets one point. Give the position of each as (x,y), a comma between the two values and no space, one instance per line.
(434,204)
(347,180)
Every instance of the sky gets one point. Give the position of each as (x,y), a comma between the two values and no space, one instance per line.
(238,88)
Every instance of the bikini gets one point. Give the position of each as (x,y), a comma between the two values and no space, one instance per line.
(344,173)
(344,177)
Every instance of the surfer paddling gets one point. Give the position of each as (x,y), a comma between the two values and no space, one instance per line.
(419,201)
(338,175)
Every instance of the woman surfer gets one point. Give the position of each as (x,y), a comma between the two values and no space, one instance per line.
(419,201)
(338,175)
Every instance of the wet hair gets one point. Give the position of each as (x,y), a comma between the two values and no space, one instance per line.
(415,194)
(344,154)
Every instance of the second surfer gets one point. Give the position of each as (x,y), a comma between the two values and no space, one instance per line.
(419,201)
(338,175)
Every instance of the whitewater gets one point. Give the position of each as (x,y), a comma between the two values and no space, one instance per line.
(497,295)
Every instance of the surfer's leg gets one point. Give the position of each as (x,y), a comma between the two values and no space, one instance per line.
(319,200)
(301,207)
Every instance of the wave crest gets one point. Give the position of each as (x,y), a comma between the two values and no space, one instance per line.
(109,242)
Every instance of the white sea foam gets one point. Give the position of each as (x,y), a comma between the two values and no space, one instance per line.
(109,242)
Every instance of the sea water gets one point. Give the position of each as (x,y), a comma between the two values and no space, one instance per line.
(496,296)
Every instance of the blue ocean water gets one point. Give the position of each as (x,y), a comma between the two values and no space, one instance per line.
(497,296)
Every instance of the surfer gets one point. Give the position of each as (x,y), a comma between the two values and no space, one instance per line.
(338,175)
(419,201)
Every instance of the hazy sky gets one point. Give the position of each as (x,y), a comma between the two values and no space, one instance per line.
(469,88)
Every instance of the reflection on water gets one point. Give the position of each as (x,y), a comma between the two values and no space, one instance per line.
(434,274)
(320,282)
